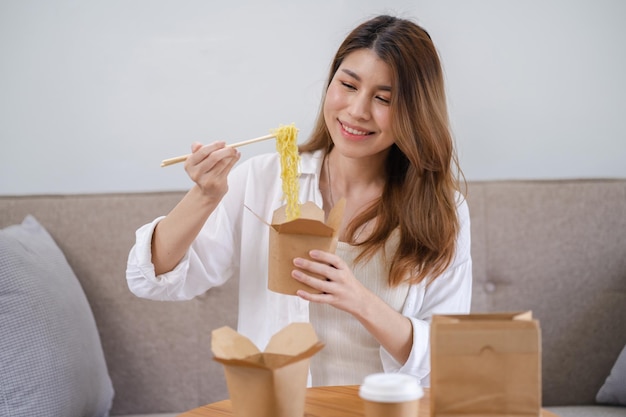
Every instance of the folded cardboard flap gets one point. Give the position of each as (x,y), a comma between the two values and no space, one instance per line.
(477,333)
(270,383)
(227,344)
(265,361)
(304,227)
(489,317)
(294,339)
(296,238)
(308,210)
(293,343)
(498,341)
(311,220)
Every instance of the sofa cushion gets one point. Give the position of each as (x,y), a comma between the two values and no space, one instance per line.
(151,415)
(51,359)
(614,389)
(588,411)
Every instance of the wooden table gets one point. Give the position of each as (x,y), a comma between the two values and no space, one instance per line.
(339,401)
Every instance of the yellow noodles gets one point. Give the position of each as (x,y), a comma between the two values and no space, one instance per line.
(287,147)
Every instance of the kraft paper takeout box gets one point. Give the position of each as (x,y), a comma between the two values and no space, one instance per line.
(295,238)
(270,383)
(485,364)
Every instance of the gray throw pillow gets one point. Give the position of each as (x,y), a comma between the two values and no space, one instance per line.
(614,389)
(51,359)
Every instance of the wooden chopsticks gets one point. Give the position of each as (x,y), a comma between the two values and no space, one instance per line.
(182,158)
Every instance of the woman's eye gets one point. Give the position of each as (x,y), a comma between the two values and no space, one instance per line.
(383,100)
(348,86)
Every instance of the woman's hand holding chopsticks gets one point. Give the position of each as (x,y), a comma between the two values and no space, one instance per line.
(208,166)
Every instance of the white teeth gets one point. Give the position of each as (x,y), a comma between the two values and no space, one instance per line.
(354,131)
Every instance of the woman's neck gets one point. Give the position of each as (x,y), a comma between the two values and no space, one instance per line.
(352,178)
(360,182)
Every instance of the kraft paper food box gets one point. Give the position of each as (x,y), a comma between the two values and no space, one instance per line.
(485,364)
(295,238)
(270,383)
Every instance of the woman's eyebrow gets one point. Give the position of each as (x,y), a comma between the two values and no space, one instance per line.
(356,77)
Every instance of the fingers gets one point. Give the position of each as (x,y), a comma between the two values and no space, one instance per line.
(195,146)
(228,162)
(315,298)
(330,275)
(209,154)
(324,264)
(322,273)
(317,283)
(208,166)
(215,156)
(322,257)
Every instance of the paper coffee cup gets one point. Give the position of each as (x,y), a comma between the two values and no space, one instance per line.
(391,395)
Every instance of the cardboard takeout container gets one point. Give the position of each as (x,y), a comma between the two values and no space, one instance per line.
(485,364)
(295,238)
(270,383)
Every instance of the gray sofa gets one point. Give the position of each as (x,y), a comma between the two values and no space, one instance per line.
(557,248)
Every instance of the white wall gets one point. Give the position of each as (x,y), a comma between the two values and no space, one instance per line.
(94,94)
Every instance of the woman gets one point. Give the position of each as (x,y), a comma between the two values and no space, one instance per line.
(382,142)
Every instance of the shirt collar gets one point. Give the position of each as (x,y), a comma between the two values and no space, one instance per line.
(311,163)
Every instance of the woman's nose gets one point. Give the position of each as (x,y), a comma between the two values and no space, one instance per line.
(359,107)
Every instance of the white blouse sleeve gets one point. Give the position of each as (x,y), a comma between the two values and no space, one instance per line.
(450,293)
(194,274)
(140,275)
(210,261)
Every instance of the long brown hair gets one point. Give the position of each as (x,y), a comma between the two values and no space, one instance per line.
(419,197)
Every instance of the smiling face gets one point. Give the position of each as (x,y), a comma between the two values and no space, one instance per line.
(357,107)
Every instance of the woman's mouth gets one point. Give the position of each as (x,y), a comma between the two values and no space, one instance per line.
(354,132)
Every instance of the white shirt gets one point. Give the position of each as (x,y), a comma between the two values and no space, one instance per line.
(234,244)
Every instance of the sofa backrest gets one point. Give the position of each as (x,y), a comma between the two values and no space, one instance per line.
(557,248)
(158,353)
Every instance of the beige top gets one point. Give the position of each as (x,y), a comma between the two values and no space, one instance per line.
(351,352)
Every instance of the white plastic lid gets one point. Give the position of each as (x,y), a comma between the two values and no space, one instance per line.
(390,388)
